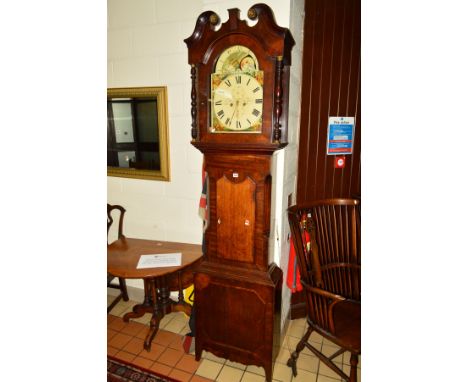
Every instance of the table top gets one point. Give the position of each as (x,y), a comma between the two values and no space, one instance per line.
(123,256)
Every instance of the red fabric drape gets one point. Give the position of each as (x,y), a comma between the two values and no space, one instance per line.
(293,279)
(203,205)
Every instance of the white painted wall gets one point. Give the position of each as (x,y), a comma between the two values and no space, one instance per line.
(146,48)
(286,159)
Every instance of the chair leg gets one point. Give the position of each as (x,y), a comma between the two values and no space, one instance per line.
(114,303)
(300,346)
(123,288)
(336,354)
(353,362)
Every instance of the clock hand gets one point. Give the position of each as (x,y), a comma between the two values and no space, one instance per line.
(233,112)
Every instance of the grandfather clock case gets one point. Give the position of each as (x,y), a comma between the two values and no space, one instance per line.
(240,83)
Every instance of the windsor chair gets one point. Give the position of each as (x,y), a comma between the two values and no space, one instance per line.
(326,236)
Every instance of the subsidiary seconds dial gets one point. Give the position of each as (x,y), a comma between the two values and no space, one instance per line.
(237,103)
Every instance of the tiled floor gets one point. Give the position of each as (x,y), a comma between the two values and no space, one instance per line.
(125,341)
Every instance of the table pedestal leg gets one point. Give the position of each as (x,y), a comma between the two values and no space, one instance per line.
(140,309)
(158,302)
(181,305)
(164,295)
(158,314)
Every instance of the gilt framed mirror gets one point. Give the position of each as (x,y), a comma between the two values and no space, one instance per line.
(137,133)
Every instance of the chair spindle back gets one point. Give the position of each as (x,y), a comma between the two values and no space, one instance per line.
(110,220)
(326,236)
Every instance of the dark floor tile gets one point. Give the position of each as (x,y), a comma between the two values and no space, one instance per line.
(154,353)
(170,357)
(124,356)
(179,375)
(134,346)
(119,340)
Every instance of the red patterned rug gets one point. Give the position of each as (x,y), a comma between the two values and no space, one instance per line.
(121,371)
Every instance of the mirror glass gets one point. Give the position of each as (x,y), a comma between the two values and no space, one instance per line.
(137,133)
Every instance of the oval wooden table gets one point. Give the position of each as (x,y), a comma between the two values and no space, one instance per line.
(122,259)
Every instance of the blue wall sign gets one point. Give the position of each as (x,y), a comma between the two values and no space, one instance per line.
(340,135)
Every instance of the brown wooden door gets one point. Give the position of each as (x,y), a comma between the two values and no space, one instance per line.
(330,88)
(236,219)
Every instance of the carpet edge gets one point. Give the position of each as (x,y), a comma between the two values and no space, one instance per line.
(143,369)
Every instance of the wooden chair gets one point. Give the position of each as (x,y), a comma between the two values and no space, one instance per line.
(326,236)
(122,285)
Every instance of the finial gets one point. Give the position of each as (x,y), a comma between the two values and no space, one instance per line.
(252,14)
(214,19)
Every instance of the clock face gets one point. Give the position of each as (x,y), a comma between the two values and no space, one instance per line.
(236,92)
(237,102)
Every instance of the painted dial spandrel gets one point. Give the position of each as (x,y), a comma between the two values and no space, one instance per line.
(237,103)
(237,58)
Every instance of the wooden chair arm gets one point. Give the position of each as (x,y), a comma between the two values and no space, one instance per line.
(327,296)
(323,292)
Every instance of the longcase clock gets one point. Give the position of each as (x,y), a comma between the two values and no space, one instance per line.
(240,89)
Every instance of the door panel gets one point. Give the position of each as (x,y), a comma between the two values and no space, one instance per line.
(236,219)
